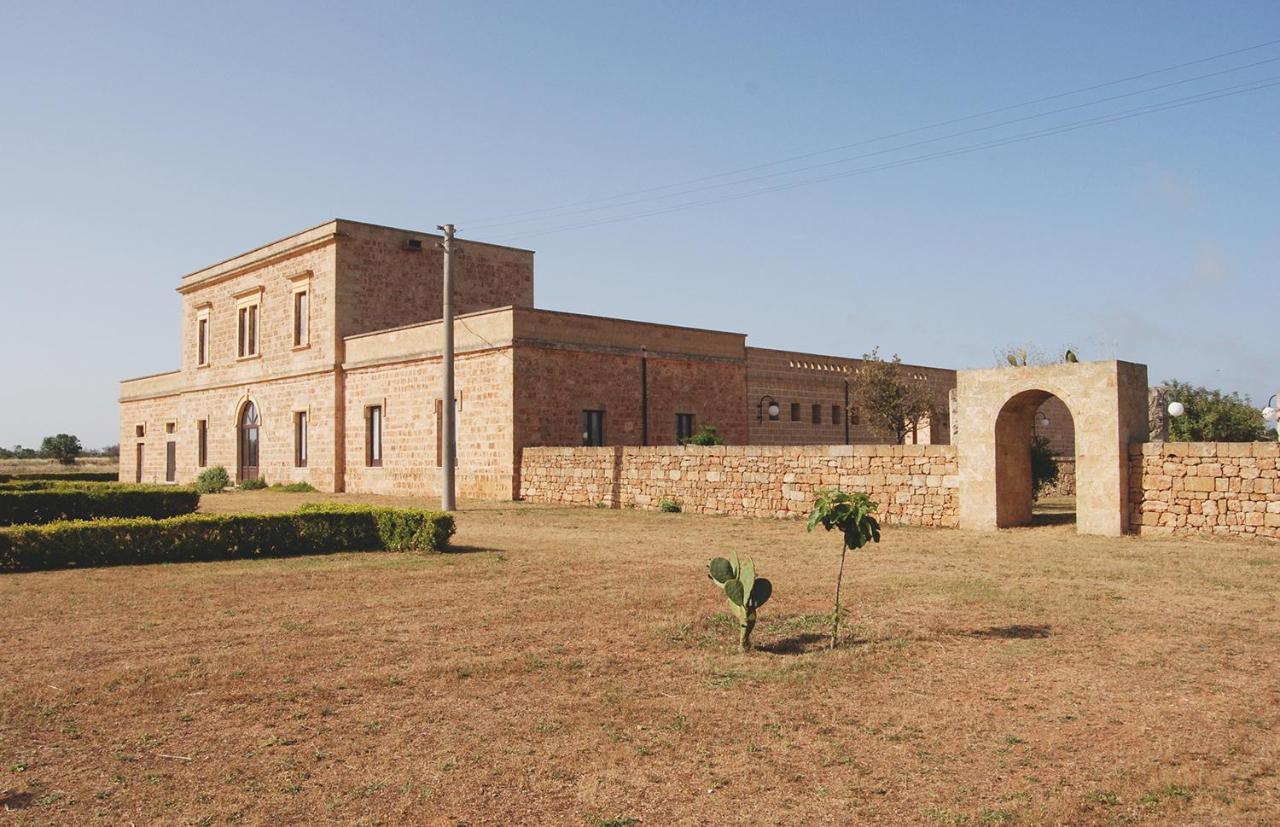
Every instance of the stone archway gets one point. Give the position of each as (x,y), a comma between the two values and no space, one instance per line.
(994,411)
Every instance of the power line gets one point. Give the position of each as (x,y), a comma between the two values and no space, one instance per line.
(889,150)
(889,136)
(1176,103)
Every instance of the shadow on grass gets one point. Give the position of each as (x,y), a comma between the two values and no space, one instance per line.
(1014,632)
(1053,518)
(16,801)
(806,642)
(454,548)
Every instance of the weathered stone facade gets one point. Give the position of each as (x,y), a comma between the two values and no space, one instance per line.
(1227,488)
(913,484)
(370,338)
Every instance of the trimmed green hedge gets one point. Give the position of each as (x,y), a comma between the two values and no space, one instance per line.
(77,476)
(313,529)
(37,502)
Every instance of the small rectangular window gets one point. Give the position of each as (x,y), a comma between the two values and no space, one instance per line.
(202,442)
(593,428)
(835,414)
(300,439)
(139,431)
(248,331)
(301,319)
(816,415)
(684,426)
(373,436)
(170,427)
(795,411)
(202,341)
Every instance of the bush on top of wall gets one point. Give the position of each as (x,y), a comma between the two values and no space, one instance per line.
(315,529)
(50,502)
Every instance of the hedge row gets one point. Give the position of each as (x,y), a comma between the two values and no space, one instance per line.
(312,529)
(51,502)
(78,476)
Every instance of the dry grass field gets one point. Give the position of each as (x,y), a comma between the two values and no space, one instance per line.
(577,667)
(96,465)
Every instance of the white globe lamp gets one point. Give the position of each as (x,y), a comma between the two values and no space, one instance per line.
(1177,409)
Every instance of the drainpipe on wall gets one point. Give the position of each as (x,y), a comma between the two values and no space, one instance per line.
(644,395)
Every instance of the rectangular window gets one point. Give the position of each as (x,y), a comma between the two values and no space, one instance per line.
(816,415)
(684,427)
(202,442)
(593,428)
(300,439)
(170,427)
(171,461)
(248,327)
(835,414)
(139,431)
(795,411)
(373,436)
(202,341)
(301,319)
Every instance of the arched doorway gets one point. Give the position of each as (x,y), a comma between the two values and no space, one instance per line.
(247,442)
(995,410)
(1034,432)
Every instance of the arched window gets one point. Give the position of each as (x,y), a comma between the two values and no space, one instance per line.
(248,442)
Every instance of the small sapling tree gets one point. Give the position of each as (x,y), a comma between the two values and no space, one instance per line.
(746,592)
(851,515)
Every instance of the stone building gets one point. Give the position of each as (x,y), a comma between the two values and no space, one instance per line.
(317,358)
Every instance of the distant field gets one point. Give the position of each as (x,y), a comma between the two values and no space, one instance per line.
(47,466)
(577,667)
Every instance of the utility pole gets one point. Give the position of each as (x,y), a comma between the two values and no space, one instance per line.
(449,443)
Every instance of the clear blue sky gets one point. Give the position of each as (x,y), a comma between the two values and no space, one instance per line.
(140,141)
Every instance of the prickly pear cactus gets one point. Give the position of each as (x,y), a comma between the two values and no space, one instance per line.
(745,592)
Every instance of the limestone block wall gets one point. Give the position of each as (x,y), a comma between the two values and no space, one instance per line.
(913,484)
(810,391)
(1205,488)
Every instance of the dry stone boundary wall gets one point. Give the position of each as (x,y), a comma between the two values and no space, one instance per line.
(1226,488)
(914,484)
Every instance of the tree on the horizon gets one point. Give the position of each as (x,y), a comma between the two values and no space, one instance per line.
(65,448)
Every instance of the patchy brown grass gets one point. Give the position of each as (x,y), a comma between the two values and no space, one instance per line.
(94,465)
(572,667)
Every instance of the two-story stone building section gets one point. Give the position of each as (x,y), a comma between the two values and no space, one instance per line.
(317,358)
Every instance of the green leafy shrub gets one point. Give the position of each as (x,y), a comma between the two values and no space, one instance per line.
(293,487)
(1044,467)
(706,435)
(745,592)
(851,514)
(670,505)
(401,529)
(255,484)
(54,501)
(316,529)
(212,480)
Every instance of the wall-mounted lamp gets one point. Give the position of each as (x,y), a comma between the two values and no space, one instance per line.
(767,404)
(1177,409)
